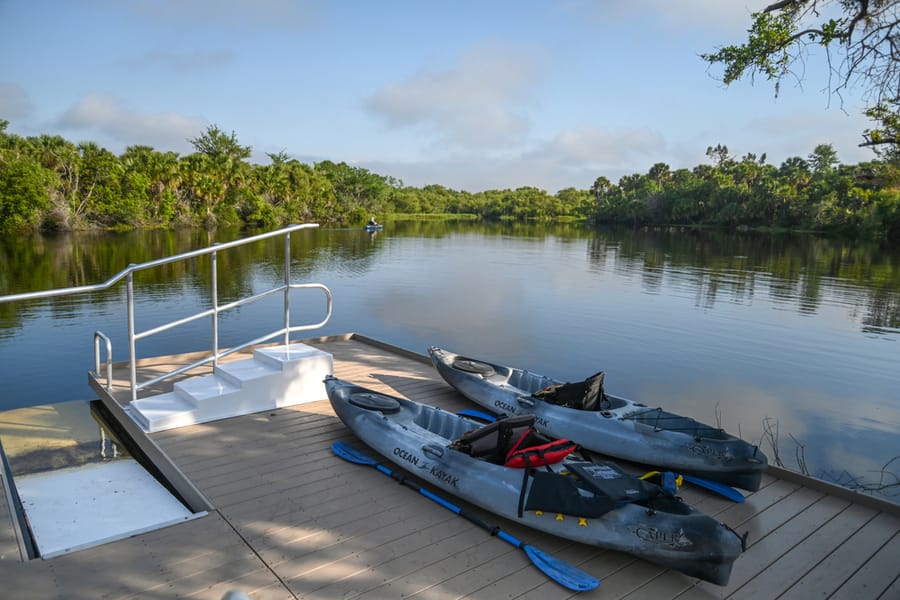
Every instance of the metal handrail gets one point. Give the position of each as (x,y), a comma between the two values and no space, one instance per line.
(218,355)
(98,335)
(133,336)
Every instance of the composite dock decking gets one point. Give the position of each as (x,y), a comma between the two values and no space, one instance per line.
(289,520)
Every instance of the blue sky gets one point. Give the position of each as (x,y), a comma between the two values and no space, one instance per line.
(469,95)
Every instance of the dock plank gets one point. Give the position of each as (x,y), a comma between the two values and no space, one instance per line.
(782,571)
(874,577)
(835,569)
(291,520)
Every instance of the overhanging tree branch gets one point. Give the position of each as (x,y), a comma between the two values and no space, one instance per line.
(862,51)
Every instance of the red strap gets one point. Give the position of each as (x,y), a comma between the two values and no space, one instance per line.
(519,441)
(546,454)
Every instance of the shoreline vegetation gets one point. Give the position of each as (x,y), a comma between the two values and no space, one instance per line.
(48,183)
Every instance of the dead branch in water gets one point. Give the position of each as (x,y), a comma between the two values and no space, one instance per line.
(887,482)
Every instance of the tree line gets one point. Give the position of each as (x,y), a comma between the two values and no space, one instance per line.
(49,183)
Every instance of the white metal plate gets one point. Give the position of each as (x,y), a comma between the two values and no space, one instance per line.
(76,508)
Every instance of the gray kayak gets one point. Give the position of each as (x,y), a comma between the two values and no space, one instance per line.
(600,422)
(585,501)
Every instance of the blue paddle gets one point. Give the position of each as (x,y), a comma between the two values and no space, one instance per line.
(561,572)
(713,486)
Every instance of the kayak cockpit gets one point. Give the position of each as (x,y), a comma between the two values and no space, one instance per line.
(443,424)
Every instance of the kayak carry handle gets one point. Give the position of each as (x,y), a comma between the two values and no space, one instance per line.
(434,450)
(526,401)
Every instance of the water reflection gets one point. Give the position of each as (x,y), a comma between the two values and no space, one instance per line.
(800,271)
(58,436)
(797,329)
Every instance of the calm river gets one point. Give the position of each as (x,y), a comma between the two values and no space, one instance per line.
(797,335)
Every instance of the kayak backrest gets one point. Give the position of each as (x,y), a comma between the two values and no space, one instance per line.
(581,395)
(513,442)
(493,441)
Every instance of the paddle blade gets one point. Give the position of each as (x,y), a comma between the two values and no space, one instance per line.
(561,572)
(713,486)
(351,454)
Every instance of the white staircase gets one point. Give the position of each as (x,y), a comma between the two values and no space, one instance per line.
(276,376)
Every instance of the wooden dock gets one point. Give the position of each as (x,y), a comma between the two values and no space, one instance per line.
(287,519)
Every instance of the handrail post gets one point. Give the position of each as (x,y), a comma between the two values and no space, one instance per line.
(131,351)
(287,288)
(98,335)
(214,292)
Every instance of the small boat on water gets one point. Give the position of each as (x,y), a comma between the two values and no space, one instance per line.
(600,422)
(590,502)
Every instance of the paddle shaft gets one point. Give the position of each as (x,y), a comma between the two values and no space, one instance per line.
(492,529)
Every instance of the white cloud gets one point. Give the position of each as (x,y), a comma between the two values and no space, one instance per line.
(798,133)
(107,115)
(14,102)
(474,173)
(599,147)
(478,102)
(574,158)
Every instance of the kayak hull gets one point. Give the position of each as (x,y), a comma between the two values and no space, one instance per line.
(621,428)
(416,438)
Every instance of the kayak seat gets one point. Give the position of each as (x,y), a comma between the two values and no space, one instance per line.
(513,442)
(493,441)
(581,395)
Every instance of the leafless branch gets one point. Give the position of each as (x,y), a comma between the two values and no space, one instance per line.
(770,434)
(800,455)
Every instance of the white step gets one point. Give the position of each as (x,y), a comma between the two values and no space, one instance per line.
(241,372)
(276,376)
(163,411)
(303,372)
(199,389)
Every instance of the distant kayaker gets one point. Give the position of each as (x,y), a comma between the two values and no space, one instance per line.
(372,222)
